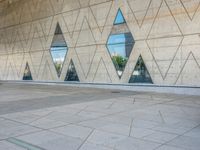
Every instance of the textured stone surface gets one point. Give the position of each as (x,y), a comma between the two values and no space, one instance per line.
(166,34)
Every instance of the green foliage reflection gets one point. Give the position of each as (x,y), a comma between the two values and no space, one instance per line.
(119,62)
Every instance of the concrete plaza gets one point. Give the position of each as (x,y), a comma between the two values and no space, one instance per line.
(41,117)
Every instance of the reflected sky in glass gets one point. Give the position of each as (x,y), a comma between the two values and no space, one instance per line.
(116,45)
(58,53)
(119,18)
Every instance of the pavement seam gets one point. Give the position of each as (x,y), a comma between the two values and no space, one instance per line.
(85,139)
(177,137)
(41,117)
(131,127)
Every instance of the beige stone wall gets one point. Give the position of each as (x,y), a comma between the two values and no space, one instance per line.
(166,32)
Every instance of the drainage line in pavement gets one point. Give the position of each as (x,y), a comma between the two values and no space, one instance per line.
(23,144)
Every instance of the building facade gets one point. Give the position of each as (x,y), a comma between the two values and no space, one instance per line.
(101,41)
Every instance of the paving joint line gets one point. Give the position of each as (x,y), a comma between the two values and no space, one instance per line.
(85,139)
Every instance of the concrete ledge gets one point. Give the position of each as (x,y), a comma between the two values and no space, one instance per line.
(186,90)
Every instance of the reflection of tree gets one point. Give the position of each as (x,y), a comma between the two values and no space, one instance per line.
(140,66)
(119,62)
(140,74)
(71,73)
(58,68)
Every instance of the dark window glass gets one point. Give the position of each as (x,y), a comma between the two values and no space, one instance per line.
(140,73)
(27,73)
(71,73)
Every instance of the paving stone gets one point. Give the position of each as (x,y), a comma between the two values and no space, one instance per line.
(171,129)
(8,124)
(40,112)
(160,137)
(166,147)
(47,123)
(51,141)
(91,115)
(135,144)
(194,133)
(60,116)
(73,131)
(16,131)
(24,117)
(140,132)
(97,123)
(105,138)
(186,142)
(65,109)
(139,123)
(116,128)
(91,146)
(118,118)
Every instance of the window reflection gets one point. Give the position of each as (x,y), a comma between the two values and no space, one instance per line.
(140,73)
(27,73)
(58,49)
(119,18)
(120,43)
(71,73)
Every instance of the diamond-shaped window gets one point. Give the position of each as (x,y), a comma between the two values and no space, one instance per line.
(120,43)
(140,73)
(58,49)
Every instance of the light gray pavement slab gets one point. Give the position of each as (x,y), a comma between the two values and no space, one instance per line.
(61,118)
(74,131)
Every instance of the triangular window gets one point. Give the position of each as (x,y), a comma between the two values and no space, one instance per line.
(71,73)
(58,49)
(27,73)
(140,73)
(119,18)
